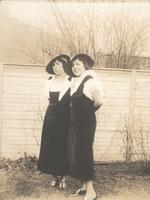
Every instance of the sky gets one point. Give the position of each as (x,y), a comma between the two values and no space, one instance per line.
(30,11)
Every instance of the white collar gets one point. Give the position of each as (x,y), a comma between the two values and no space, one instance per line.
(64,88)
(75,83)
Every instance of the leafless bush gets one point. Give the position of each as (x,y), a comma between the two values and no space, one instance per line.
(134,145)
(26,164)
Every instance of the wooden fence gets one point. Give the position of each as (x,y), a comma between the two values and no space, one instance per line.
(123,122)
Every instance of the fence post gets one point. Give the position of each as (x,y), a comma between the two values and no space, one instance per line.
(131,116)
(1,106)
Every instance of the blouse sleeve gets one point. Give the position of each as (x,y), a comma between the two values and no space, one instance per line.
(93,85)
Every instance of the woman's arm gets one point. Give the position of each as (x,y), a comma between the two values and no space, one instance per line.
(93,89)
(97,98)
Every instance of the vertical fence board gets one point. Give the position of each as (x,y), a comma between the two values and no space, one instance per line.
(131,116)
(1,106)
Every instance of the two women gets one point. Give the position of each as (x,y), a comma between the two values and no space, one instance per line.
(85,98)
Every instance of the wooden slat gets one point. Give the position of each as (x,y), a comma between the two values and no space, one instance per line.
(1,104)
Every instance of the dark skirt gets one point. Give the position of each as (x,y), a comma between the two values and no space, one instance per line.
(81,152)
(81,136)
(52,158)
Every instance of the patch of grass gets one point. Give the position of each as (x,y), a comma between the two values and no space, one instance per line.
(25,164)
(23,179)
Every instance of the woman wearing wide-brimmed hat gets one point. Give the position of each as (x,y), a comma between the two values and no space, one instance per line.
(52,158)
(86,98)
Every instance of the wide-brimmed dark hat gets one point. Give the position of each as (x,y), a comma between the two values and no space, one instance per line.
(84,57)
(62,58)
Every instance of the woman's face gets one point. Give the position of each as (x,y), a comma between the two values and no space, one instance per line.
(78,67)
(58,68)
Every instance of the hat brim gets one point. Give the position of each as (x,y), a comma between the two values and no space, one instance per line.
(85,57)
(49,67)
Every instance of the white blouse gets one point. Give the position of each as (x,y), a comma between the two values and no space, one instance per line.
(51,85)
(89,86)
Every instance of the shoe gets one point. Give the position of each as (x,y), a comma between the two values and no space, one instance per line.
(62,184)
(80,191)
(54,183)
(91,198)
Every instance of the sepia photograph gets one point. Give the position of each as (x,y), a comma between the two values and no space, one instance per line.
(74,100)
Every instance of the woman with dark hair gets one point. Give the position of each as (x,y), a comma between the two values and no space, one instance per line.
(52,158)
(86,98)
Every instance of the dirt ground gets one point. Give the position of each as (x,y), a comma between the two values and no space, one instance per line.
(112,182)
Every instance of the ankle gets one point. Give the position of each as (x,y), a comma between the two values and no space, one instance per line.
(90,193)
(63,179)
(62,184)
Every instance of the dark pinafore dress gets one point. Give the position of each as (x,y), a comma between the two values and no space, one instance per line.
(52,158)
(81,135)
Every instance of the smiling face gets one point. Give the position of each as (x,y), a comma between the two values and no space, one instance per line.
(78,67)
(58,68)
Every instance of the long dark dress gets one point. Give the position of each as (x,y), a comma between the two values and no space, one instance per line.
(52,158)
(81,135)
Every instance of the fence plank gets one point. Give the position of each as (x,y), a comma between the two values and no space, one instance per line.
(131,116)
(1,106)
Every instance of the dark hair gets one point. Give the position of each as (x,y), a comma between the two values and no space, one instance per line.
(64,59)
(64,64)
(86,64)
(86,59)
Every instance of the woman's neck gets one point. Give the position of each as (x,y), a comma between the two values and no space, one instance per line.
(88,72)
(61,76)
